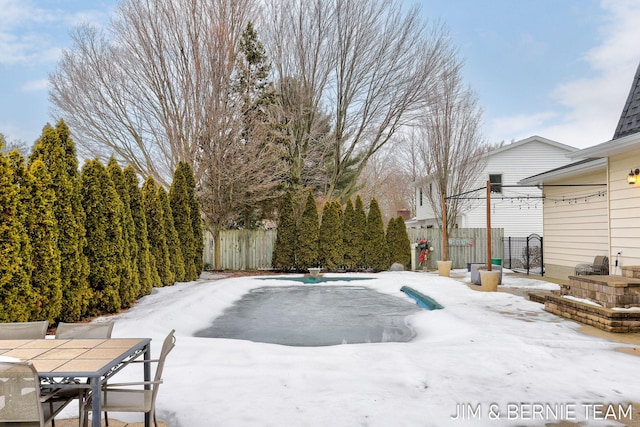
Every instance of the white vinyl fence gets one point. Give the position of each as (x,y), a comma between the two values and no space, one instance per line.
(252,249)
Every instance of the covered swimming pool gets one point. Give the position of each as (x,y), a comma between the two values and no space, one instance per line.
(316,315)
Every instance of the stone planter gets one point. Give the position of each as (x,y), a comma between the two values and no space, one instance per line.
(489,280)
(444,268)
(315,272)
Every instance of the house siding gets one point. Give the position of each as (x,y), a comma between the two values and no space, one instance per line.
(624,208)
(518,217)
(575,223)
(517,210)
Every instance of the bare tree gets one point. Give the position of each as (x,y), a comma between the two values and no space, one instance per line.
(298,37)
(370,64)
(241,166)
(451,145)
(146,88)
(14,144)
(386,179)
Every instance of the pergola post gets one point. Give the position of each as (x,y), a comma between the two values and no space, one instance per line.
(445,239)
(488,225)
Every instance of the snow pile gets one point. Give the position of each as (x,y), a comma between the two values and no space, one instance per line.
(485,359)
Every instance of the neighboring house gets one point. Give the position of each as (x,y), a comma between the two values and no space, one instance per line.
(581,222)
(517,210)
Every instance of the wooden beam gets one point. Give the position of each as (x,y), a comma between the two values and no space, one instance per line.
(488,225)
(445,238)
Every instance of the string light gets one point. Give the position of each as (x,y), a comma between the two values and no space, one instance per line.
(526,200)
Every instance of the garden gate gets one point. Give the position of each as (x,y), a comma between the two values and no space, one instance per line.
(524,254)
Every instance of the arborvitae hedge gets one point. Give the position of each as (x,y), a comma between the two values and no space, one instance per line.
(103,210)
(42,229)
(330,250)
(173,241)
(308,228)
(129,277)
(348,236)
(181,211)
(284,250)
(57,150)
(359,233)
(147,272)
(157,232)
(75,245)
(338,253)
(377,251)
(196,217)
(398,241)
(16,297)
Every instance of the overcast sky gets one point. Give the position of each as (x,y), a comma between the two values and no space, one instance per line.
(558,69)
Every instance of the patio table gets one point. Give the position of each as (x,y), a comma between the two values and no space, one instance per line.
(60,360)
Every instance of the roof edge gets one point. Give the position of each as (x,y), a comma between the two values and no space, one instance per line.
(582,166)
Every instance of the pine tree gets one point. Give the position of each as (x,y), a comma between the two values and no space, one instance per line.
(359,233)
(330,237)
(348,239)
(42,229)
(181,210)
(196,217)
(130,282)
(284,250)
(157,232)
(57,150)
(308,229)
(173,241)
(16,296)
(147,271)
(255,98)
(377,251)
(103,210)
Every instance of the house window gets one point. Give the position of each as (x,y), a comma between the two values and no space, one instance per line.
(496,183)
(420,196)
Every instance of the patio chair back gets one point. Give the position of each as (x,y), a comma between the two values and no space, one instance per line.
(117,398)
(20,387)
(23,330)
(84,330)
(167,346)
(601,264)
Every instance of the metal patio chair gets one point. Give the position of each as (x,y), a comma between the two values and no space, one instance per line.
(600,266)
(79,331)
(23,330)
(116,398)
(23,405)
(84,330)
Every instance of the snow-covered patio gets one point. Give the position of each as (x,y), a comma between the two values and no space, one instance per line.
(493,359)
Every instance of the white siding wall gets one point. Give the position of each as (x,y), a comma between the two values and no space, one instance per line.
(424,212)
(518,218)
(625,208)
(575,224)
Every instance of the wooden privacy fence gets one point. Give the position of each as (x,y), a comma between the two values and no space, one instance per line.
(252,249)
(241,249)
(466,245)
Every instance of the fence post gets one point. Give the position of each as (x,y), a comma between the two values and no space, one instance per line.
(528,256)
(541,257)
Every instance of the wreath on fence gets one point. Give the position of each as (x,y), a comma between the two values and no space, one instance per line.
(425,248)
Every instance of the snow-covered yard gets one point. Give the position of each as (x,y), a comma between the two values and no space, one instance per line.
(486,359)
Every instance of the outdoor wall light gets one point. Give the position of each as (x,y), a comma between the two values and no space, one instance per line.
(633,176)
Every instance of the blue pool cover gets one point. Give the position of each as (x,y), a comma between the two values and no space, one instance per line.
(314,280)
(315,316)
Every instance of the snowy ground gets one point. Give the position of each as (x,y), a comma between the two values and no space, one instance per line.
(486,359)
